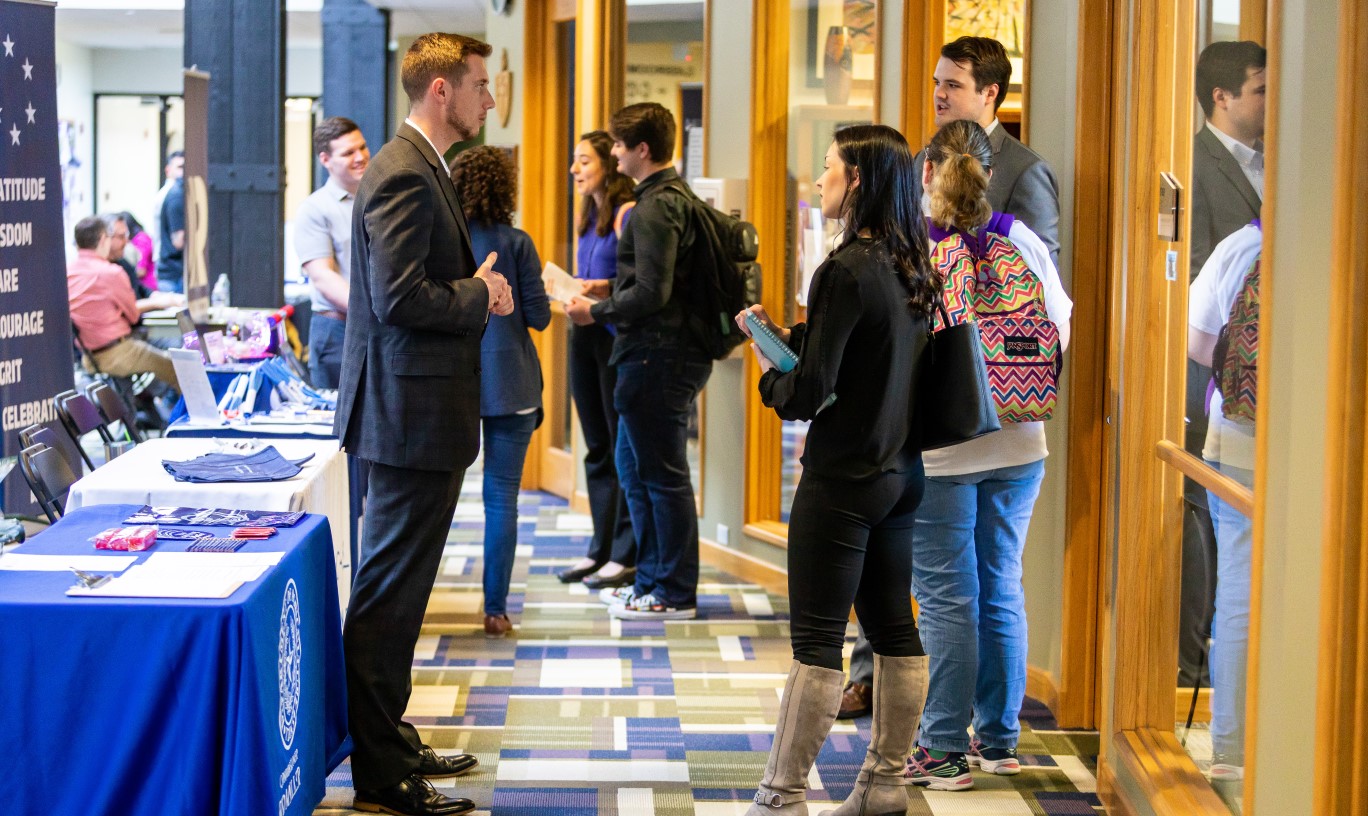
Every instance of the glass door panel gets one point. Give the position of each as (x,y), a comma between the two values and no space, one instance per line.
(1224,250)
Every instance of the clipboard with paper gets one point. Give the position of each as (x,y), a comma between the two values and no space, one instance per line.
(561,285)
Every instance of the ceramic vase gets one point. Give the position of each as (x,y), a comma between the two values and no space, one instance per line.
(836,66)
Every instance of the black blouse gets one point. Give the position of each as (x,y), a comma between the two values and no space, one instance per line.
(862,343)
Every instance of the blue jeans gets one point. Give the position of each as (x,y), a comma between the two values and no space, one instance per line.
(325,351)
(966,576)
(505,449)
(654,398)
(1230,625)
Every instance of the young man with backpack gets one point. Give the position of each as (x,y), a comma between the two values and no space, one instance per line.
(662,365)
(1223,334)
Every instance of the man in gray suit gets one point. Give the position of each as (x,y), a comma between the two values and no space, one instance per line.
(409,405)
(1227,192)
(970,82)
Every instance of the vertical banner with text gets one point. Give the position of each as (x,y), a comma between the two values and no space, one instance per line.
(35,329)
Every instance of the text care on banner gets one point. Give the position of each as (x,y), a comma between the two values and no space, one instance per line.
(35,328)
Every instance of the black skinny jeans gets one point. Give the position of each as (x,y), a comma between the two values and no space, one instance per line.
(851,542)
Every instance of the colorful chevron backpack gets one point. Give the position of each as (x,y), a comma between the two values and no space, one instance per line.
(1236,357)
(987,280)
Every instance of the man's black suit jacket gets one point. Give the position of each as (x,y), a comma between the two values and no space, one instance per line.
(1223,200)
(410,390)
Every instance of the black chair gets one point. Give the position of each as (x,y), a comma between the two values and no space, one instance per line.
(48,477)
(60,442)
(80,416)
(113,408)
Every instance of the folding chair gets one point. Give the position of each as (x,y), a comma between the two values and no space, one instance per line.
(80,416)
(48,477)
(113,408)
(60,442)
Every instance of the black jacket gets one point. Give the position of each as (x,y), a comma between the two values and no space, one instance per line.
(861,342)
(647,306)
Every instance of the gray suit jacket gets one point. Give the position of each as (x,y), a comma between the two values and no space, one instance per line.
(1022,185)
(410,391)
(1223,200)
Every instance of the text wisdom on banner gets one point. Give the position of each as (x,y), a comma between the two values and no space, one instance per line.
(35,329)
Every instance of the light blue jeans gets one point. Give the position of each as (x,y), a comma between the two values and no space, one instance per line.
(1230,625)
(966,576)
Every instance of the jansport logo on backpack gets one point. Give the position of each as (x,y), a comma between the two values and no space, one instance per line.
(1235,359)
(987,280)
(719,276)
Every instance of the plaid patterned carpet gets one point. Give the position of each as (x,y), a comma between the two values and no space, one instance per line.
(576,714)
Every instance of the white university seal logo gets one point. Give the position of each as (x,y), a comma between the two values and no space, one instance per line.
(288,665)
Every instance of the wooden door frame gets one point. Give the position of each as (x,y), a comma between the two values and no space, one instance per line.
(544,216)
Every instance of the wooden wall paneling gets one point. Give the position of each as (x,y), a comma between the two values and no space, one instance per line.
(923,32)
(1254,21)
(536,162)
(1341,784)
(768,204)
(1088,365)
(1146,661)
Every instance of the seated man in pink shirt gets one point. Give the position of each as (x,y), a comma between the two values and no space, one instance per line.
(104,308)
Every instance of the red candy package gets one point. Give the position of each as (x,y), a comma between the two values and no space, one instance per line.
(126,538)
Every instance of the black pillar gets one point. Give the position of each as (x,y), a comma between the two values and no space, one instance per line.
(356,67)
(241,44)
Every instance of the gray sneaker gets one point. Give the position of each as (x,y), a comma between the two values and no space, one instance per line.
(648,608)
(617,596)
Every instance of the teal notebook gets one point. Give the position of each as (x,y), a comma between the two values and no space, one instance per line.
(774,349)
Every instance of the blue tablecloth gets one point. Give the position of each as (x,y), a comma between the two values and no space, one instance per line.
(131,705)
(220,378)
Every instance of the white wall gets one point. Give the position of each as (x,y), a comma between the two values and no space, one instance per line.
(1053,57)
(75,105)
(505,32)
(158,71)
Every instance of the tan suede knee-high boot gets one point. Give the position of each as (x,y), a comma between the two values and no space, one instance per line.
(899,694)
(812,696)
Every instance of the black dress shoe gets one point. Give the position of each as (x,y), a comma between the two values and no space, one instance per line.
(570,576)
(625,578)
(413,796)
(434,765)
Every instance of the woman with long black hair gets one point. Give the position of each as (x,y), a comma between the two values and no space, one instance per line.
(850,534)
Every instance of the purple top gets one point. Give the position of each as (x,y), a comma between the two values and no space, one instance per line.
(1000,223)
(597,256)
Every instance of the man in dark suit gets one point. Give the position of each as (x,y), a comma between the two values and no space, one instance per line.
(1227,192)
(1227,157)
(409,406)
(970,82)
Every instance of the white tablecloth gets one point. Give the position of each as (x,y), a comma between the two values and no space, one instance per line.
(138,477)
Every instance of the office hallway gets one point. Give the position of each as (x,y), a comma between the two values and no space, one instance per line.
(576,714)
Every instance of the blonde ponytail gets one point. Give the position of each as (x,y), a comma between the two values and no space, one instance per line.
(960,155)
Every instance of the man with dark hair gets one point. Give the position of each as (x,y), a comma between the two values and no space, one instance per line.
(660,370)
(409,405)
(1227,194)
(970,83)
(323,233)
(1227,157)
(171,221)
(104,308)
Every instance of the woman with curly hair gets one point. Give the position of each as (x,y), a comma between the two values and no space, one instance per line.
(850,535)
(606,201)
(510,373)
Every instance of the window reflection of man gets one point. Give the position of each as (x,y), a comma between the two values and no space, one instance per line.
(1227,192)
